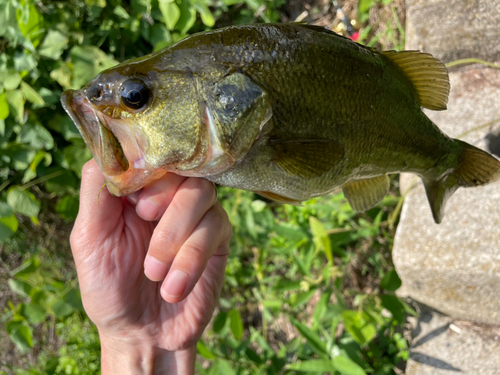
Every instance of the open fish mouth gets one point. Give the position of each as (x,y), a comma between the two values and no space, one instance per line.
(101,141)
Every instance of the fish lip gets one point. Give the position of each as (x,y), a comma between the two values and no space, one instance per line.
(89,124)
(79,109)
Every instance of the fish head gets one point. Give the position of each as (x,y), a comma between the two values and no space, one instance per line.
(138,123)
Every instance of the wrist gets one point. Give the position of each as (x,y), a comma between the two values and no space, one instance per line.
(125,357)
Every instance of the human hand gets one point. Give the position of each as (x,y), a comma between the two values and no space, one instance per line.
(146,326)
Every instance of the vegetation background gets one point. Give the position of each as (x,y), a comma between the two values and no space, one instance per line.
(308,289)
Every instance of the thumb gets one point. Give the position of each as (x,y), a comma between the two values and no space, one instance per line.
(99,211)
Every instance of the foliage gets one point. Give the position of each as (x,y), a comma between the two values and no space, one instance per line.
(308,289)
(300,278)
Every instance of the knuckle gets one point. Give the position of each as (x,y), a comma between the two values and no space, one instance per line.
(163,241)
(218,218)
(202,185)
(193,250)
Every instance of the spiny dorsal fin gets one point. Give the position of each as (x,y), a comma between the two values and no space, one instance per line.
(428,75)
(307,158)
(364,194)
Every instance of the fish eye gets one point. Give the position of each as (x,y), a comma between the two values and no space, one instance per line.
(134,93)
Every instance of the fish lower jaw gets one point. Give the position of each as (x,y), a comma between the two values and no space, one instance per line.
(132,180)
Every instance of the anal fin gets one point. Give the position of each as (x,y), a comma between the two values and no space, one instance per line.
(278,198)
(366,193)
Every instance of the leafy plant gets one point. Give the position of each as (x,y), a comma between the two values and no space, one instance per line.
(308,289)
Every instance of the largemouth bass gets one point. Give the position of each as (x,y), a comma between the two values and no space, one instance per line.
(288,111)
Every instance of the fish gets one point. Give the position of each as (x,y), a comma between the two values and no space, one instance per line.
(288,111)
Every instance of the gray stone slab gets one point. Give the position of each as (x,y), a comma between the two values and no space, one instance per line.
(455,266)
(444,346)
(454,29)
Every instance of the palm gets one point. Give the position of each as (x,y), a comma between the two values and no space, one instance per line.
(117,295)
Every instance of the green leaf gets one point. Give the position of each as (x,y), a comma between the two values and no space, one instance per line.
(302,297)
(206,16)
(170,12)
(88,61)
(321,238)
(20,287)
(97,3)
(67,207)
(34,314)
(121,12)
(62,75)
(11,80)
(4,107)
(159,34)
(77,156)
(62,183)
(31,171)
(29,266)
(61,309)
(219,321)
(312,365)
(16,101)
(5,210)
(312,337)
(236,324)
(31,95)
(8,226)
(7,17)
(321,307)
(390,281)
(225,367)
(359,326)
(65,126)
(23,201)
(286,284)
(394,305)
(141,6)
(36,136)
(203,350)
(187,17)
(53,45)
(20,334)
(346,366)
(30,22)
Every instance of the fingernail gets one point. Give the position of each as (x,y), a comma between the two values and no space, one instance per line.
(154,269)
(147,209)
(175,284)
(134,197)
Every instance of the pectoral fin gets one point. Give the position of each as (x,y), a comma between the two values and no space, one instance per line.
(307,158)
(364,194)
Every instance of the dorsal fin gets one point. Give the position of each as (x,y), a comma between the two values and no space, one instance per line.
(428,75)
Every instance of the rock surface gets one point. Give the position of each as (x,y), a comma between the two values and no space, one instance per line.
(455,266)
(444,346)
(454,29)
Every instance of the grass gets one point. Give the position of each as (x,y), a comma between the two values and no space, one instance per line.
(308,289)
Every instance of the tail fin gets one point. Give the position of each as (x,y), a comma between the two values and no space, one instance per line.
(476,168)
